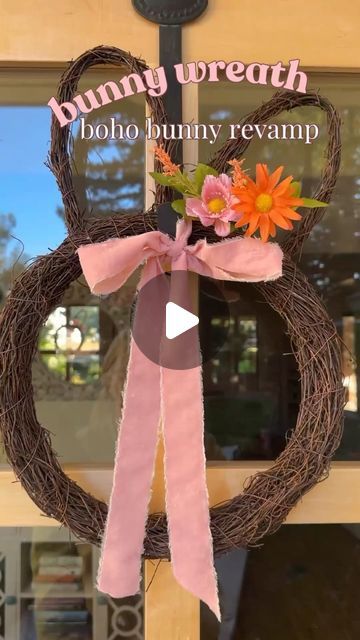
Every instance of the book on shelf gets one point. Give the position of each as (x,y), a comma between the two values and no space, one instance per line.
(51,559)
(60,604)
(56,587)
(53,616)
(57,618)
(67,633)
(54,577)
(58,573)
(59,570)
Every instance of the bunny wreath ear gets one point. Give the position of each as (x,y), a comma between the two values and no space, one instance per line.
(268,496)
(286,101)
(59,158)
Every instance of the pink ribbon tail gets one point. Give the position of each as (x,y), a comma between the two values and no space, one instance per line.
(120,566)
(187,502)
(156,392)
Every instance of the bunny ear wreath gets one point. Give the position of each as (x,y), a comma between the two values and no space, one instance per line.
(268,496)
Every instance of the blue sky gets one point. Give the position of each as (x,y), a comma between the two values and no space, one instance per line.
(28,188)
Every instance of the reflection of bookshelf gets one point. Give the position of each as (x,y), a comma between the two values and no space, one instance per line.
(56,593)
(47,591)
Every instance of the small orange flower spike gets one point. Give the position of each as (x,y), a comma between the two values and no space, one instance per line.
(239,176)
(169,168)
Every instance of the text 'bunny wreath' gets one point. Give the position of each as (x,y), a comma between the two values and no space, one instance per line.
(268,496)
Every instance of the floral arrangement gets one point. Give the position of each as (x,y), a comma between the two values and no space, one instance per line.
(236,201)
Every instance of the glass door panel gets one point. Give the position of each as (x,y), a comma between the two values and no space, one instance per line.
(303,583)
(252,387)
(79,371)
(47,591)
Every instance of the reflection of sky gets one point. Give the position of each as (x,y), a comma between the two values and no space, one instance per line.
(27,187)
(29,191)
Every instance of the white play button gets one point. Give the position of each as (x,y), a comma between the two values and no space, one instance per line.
(163,313)
(178,320)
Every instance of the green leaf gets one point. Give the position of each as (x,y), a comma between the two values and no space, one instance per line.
(179,206)
(313,204)
(200,173)
(161,178)
(175,182)
(296,189)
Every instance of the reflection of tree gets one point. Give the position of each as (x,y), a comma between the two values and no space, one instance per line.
(247,346)
(330,257)
(11,260)
(108,174)
(86,318)
(338,232)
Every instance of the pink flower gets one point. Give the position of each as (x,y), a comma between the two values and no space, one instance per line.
(214,206)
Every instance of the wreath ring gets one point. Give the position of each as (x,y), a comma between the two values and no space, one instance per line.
(268,496)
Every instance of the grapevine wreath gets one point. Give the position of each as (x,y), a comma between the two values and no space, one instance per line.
(268,496)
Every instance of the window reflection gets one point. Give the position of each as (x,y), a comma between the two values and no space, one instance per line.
(108,174)
(251,389)
(302,583)
(47,590)
(241,359)
(79,372)
(349,365)
(70,343)
(330,259)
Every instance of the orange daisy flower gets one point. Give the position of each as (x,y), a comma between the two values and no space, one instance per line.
(266,203)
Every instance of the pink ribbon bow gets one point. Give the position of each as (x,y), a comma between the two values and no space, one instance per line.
(154,393)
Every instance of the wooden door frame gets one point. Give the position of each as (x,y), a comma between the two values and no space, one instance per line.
(333,501)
